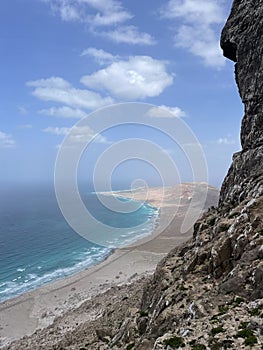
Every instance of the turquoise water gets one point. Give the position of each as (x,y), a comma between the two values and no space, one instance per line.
(37,245)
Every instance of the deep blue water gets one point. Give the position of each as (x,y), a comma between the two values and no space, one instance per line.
(37,245)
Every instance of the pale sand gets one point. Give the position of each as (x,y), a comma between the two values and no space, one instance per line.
(37,309)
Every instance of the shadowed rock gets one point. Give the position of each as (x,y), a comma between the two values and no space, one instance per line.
(242,42)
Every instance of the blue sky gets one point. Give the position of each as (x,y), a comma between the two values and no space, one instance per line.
(63,59)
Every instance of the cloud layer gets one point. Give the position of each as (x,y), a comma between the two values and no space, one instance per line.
(98,14)
(196,29)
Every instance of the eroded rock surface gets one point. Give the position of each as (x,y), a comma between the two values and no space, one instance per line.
(242,41)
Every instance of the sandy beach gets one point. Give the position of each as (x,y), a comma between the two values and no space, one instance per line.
(37,309)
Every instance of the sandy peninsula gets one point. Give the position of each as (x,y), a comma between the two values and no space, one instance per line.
(39,308)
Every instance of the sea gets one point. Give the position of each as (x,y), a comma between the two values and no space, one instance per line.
(37,246)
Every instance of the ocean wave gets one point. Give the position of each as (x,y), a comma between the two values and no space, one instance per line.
(30,281)
(39,270)
(134,235)
(20,269)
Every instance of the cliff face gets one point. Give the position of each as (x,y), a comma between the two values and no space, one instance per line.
(209,293)
(242,42)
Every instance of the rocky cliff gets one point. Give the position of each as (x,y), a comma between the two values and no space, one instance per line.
(242,42)
(207,294)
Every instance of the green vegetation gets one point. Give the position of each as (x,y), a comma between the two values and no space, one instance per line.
(223,309)
(197,346)
(175,342)
(130,346)
(214,319)
(244,333)
(217,330)
(247,334)
(255,312)
(143,313)
(215,344)
(238,301)
(243,325)
(251,340)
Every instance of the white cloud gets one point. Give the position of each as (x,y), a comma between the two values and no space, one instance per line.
(196,27)
(6,140)
(53,82)
(84,134)
(201,42)
(77,134)
(98,14)
(64,112)
(137,78)
(56,130)
(100,56)
(129,35)
(201,11)
(225,141)
(165,112)
(94,12)
(56,89)
(110,12)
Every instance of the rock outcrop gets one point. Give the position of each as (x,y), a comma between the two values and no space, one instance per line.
(242,42)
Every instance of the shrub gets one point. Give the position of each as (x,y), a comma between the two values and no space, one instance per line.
(238,301)
(199,347)
(175,342)
(217,330)
(223,309)
(248,335)
(255,312)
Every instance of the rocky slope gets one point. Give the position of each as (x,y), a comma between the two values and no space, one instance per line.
(207,294)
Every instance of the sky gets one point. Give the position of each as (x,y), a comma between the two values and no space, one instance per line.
(62,60)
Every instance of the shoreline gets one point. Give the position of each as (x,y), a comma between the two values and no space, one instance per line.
(153,221)
(38,308)
(111,250)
